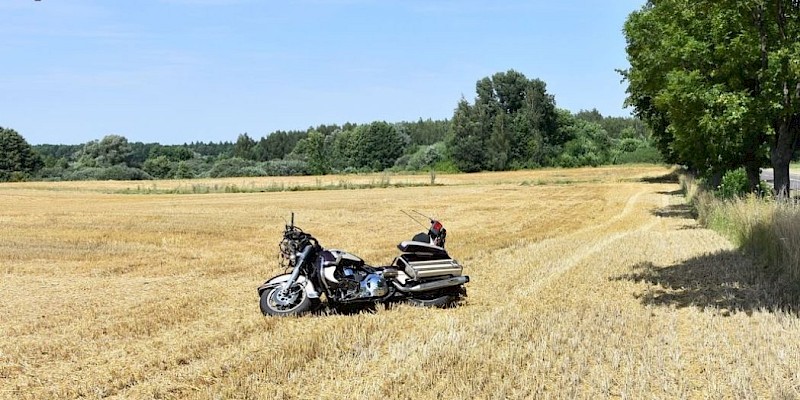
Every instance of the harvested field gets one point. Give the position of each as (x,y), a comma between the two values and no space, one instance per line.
(585,283)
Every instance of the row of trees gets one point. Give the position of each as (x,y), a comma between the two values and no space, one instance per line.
(513,123)
(719,83)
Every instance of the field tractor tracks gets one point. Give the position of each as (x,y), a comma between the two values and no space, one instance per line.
(527,268)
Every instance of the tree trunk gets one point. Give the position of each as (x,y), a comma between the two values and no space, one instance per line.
(715,179)
(753,161)
(786,133)
(753,176)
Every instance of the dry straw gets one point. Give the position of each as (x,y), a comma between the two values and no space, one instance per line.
(590,283)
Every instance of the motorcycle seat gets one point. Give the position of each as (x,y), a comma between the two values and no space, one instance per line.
(421,237)
(422,249)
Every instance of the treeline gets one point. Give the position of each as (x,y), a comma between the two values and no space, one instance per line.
(513,123)
(719,84)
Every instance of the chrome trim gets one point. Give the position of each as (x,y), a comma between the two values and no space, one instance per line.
(440,284)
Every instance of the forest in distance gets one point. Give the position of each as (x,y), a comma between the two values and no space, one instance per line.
(512,124)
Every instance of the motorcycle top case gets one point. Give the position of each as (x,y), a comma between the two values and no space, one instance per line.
(422,260)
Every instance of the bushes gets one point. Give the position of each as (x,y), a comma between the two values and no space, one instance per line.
(767,230)
(285,168)
(734,184)
(424,158)
(116,172)
(237,167)
(13,176)
(159,167)
(231,167)
(641,155)
(760,226)
(162,168)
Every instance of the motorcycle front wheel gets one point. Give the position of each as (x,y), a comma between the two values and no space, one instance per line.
(282,302)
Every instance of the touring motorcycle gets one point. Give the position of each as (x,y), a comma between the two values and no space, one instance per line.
(423,274)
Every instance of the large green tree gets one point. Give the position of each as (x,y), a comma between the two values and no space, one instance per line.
(314,151)
(426,132)
(343,149)
(109,151)
(717,81)
(378,145)
(467,141)
(511,124)
(277,145)
(778,83)
(244,147)
(17,157)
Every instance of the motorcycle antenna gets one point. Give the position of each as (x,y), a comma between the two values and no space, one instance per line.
(414,219)
(431,219)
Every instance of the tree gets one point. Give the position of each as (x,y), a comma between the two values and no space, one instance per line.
(511,123)
(314,151)
(211,149)
(139,153)
(589,144)
(109,151)
(57,151)
(717,81)
(537,128)
(379,145)
(159,167)
(778,26)
(17,157)
(426,157)
(426,132)
(244,146)
(343,150)
(277,145)
(172,153)
(499,145)
(466,141)
(590,116)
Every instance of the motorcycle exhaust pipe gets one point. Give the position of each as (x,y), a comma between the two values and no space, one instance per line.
(424,287)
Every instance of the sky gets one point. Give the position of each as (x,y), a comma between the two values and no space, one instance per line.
(180,71)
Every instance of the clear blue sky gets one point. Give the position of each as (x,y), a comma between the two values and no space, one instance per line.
(175,71)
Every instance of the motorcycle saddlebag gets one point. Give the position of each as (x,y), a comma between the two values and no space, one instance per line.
(421,261)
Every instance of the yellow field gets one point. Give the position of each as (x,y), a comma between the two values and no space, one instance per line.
(584,283)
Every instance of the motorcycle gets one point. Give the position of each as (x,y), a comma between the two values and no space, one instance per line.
(423,274)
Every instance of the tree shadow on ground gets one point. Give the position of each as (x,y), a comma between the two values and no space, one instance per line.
(677,192)
(671,177)
(682,211)
(727,280)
